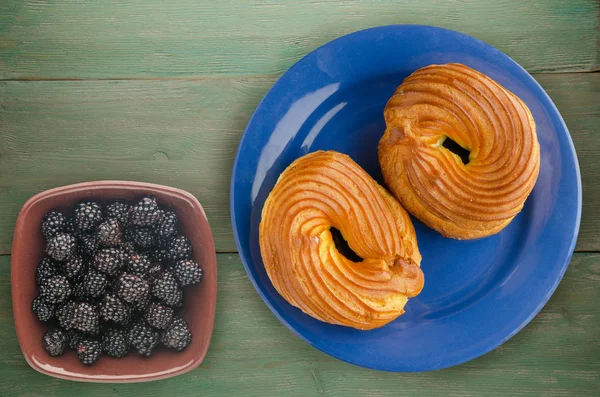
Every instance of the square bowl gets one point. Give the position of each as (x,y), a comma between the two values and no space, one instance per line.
(200,299)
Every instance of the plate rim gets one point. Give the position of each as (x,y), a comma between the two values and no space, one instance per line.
(463,359)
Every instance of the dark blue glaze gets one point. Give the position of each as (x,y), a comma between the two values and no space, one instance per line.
(477,293)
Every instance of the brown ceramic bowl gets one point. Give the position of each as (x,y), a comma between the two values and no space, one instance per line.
(200,299)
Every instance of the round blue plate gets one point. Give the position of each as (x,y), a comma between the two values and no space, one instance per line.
(477,293)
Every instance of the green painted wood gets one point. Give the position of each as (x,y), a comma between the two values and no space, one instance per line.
(225,55)
(179,133)
(253,354)
(581,112)
(185,134)
(182,38)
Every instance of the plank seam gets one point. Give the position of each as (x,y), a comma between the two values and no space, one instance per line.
(214,78)
(219,252)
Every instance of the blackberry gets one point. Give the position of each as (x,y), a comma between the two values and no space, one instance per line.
(43,310)
(118,210)
(61,247)
(145,212)
(142,338)
(89,350)
(87,216)
(74,268)
(142,237)
(71,227)
(179,248)
(46,269)
(114,343)
(133,289)
(86,318)
(143,241)
(187,272)
(158,316)
(109,260)
(53,223)
(109,233)
(55,341)
(166,227)
(167,290)
(163,242)
(160,254)
(93,285)
(114,309)
(128,248)
(138,264)
(64,313)
(88,245)
(177,335)
(73,338)
(56,289)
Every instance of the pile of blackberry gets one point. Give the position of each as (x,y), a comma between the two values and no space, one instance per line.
(113,280)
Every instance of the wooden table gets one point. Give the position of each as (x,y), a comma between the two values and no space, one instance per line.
(160,91)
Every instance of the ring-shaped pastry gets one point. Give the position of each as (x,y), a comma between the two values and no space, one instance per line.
(463,201)
(325,190)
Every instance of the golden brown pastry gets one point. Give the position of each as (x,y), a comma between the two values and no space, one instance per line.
(463,201)
(327,189)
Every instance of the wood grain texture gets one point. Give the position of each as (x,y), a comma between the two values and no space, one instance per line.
(253,354)
(179,133)
(183,38)
(581,112)
(185,134)
(171,86)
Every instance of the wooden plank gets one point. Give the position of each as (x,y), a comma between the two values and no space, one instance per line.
(178,133)
(576,97)
(253,354)
(153,38)
(185,134)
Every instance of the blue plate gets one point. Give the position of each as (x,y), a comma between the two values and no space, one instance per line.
(477,293)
